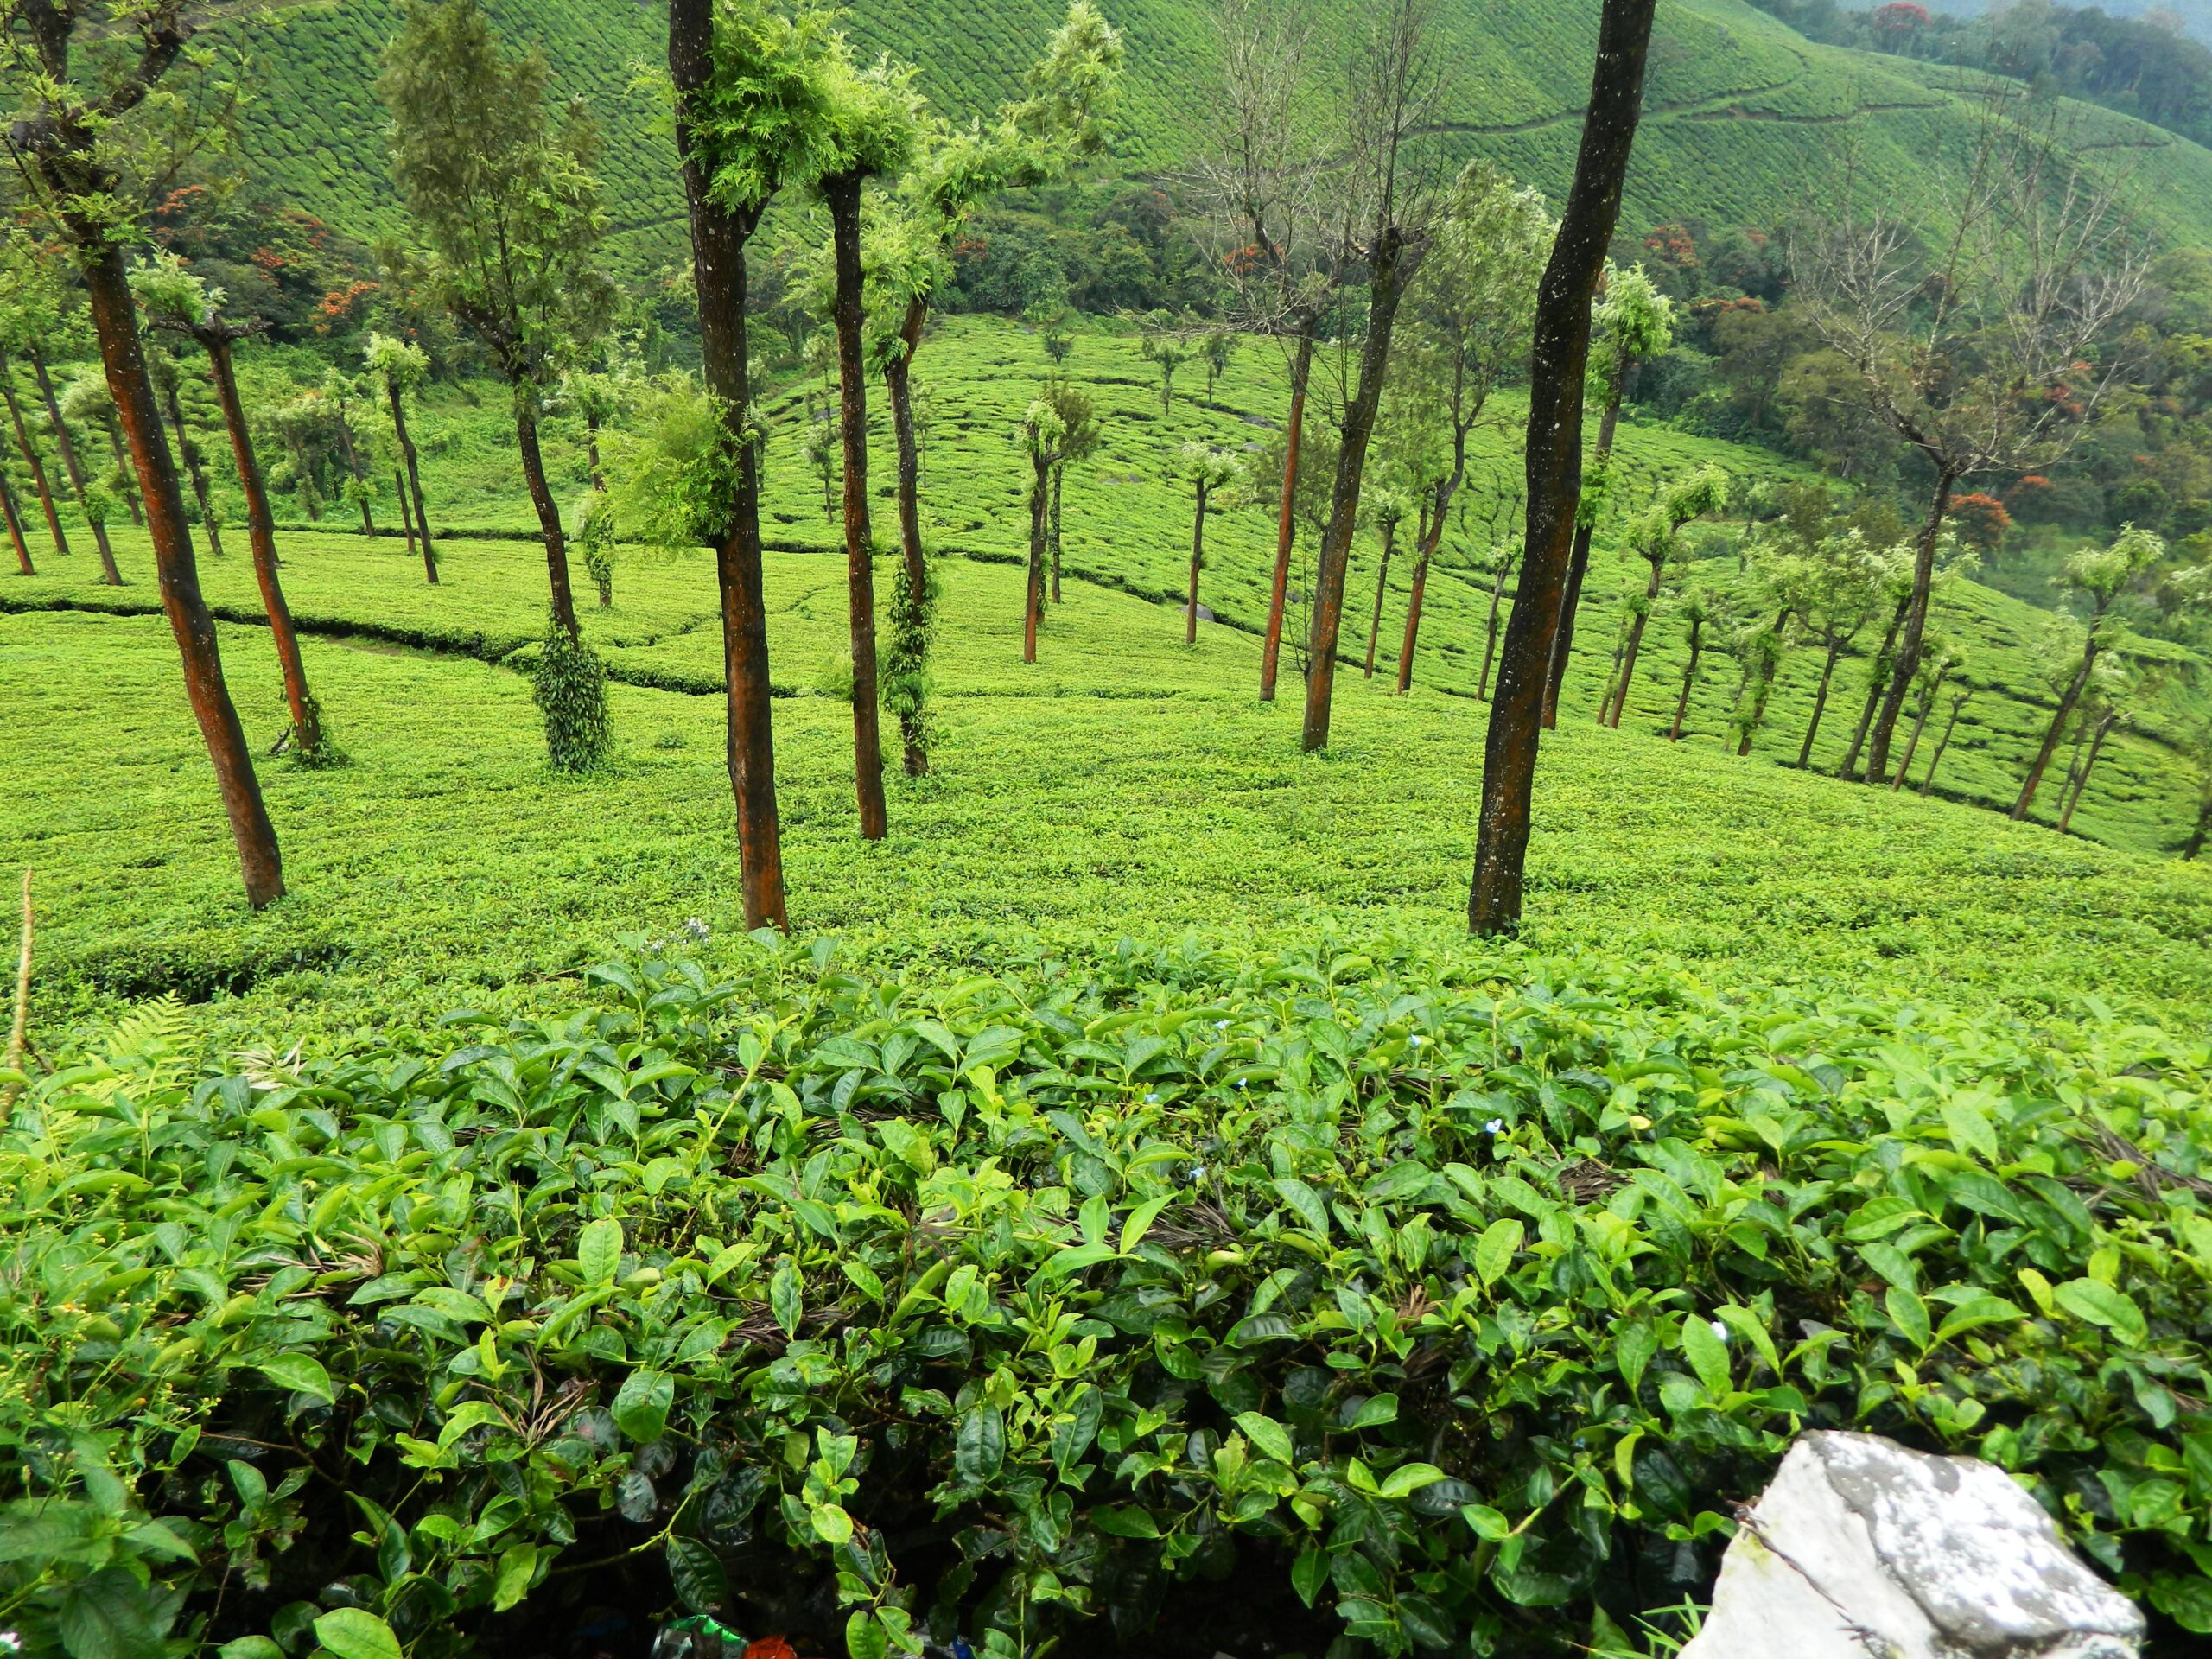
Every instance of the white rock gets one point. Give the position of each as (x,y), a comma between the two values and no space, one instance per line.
(1862,1549)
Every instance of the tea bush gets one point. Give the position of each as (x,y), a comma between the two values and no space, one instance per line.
(1263,1301)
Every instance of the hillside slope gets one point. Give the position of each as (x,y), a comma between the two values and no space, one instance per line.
(1745,120)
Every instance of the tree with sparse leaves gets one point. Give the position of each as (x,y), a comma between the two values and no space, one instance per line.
(1208,471)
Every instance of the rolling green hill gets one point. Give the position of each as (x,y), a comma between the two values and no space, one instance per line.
(1745,119)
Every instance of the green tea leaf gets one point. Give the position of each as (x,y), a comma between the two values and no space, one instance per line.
(1707,1355)
(599,1253)
(351,1633)
(980,1446)
(1495,1249)
(641,1407)
(299,1373)
(2099,1304)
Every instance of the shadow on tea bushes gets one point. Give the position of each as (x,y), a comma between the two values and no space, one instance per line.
(1258,1304)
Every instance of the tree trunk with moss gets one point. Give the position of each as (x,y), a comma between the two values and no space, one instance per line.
(109,573)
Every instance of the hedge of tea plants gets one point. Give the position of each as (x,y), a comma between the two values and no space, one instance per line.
(1194,1301)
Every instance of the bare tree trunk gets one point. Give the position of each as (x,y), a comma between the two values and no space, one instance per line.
(1634,646)
(123,468)
(16,528)
(1916,626)
(1032,596)
(898,382)
(109,574)
(1578,562)
(1819,699)
(718,238)
(406,515)
(1382,587)
(415,481)
(1197,558)
(1559,359)
(843,196)
(591,450)
(1919,725)
(1875,682)
(2066,699)
(355,470)
(1490,639)
(2097,747)
(1689,680)
(115,321)
(1943,743)
(1301,372)
(31,460)
(1387,276)
(261,535)
(2197,836)
(195,468)
(1414,600)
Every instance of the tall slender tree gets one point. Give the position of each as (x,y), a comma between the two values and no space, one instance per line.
(873,122)
(1469,308)
(1656,538)
(92,509)
(1637,323)
(1207,471)
(1559,361)
(168,382)
(1390,199)
(399,366)
(81,155)
(29,307)
(1068,98)
(2102,578)
(501,194)
(1261,185)
(1042,433)
(1386,507)
(175,299)
(1959,701)
(24,565)
(1985,350)
(750,114)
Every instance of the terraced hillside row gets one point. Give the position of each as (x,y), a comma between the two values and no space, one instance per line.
(1127,527)
(1745,120)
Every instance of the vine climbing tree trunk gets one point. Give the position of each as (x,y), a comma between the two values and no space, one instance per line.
(912,606)
(123,358)
(843,196)
(549,511)
(1559,361)
(1302,373)
(718,238)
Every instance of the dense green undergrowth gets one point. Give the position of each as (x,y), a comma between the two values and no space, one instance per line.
(1271,1301)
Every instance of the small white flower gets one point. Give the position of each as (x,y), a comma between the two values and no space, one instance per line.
(1221,1025)
(1719,1330)
(1243,1083)
(1495,1126)
(1417,1039)
(1197,1172)
(1151,1100)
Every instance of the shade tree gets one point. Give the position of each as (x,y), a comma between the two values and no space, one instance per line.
(2102,581)
(174,299)
(1984,350)
(1208,472)
(1937,664)
(86,403)
(1043,433)
(1839,585)
(1655,537)
(1391,194)
(1068,98)
(1468,317)
(93,136)
(1558,367)
(504,214)
(1080,438)
(751,110)
(1702,610)
(399,367)
(1636,322)
(31,311)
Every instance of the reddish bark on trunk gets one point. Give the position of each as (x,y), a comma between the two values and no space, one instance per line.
(31,460)
(122,357)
